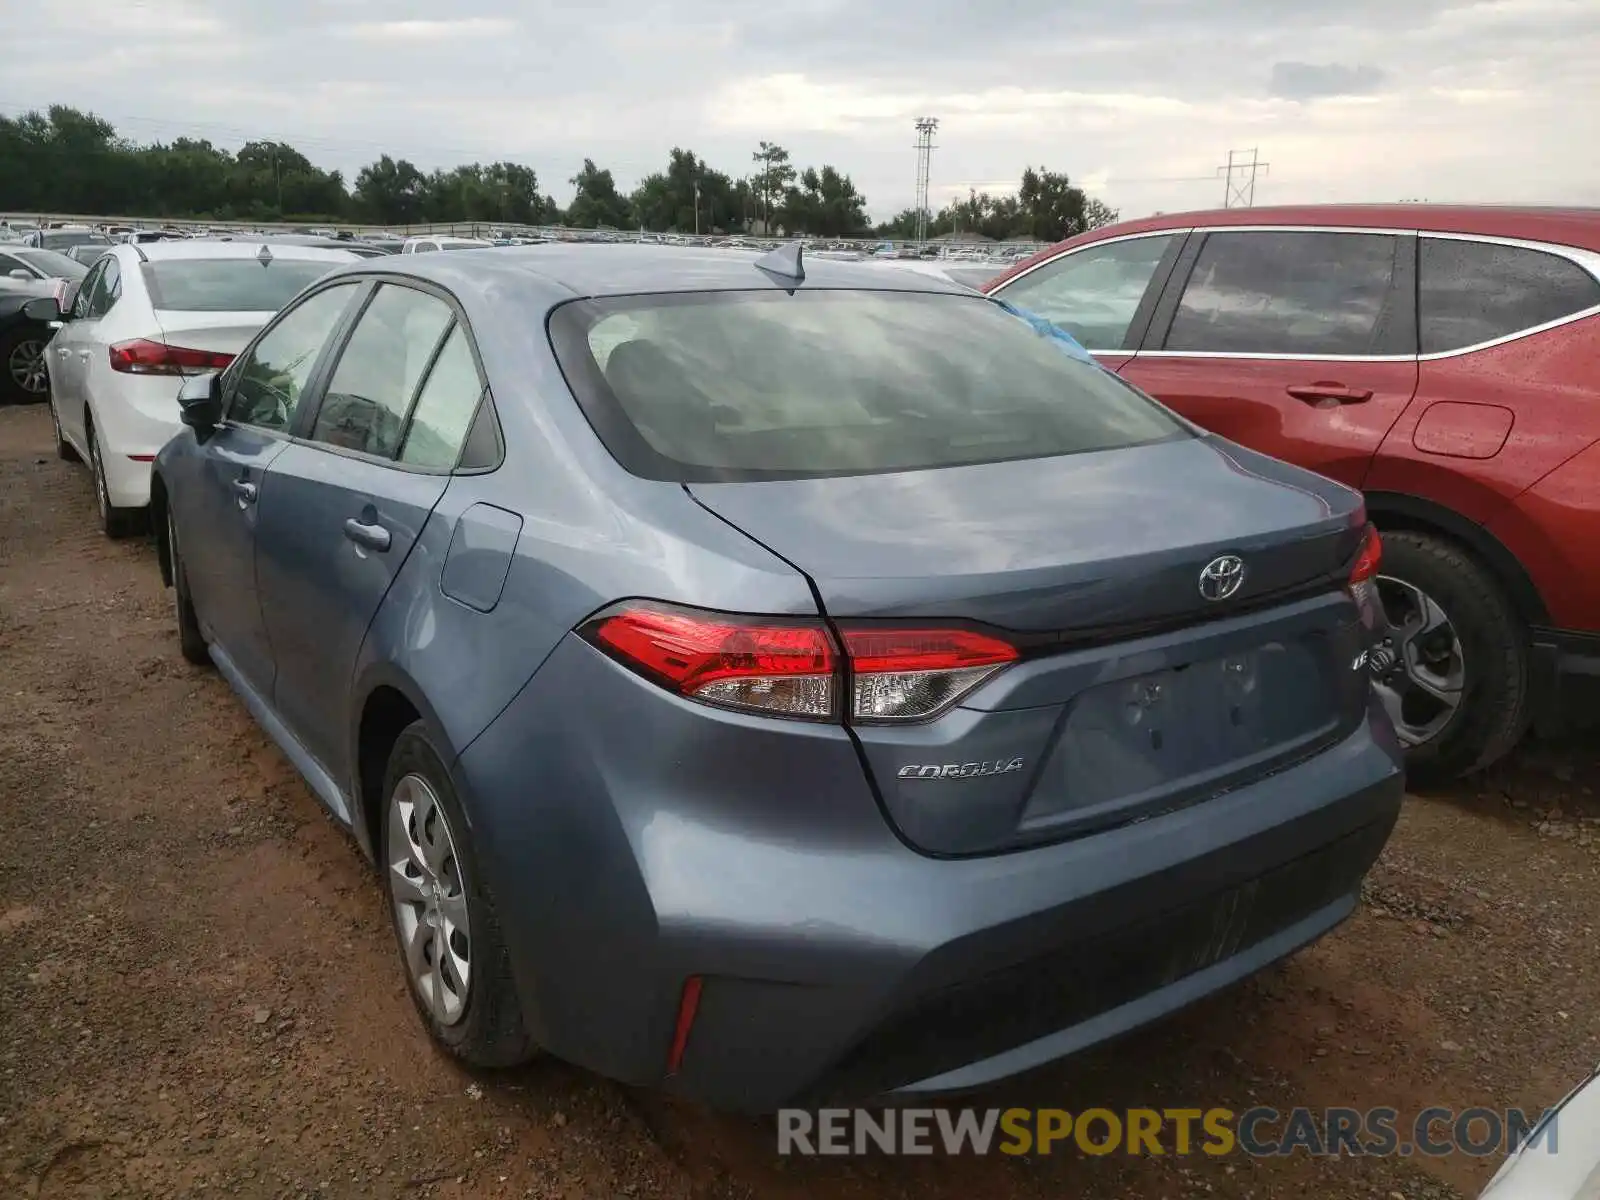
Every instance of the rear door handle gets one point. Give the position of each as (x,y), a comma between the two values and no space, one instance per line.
(1315,393)
(373,537)
(245,490)
(63,352)
(83,355)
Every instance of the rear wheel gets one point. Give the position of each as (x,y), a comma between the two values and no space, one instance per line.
(190,640)
(457,967)
(64,450)
(116,522)
(22,373)
(1453,673)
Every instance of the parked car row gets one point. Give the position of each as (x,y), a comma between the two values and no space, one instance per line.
(760,677)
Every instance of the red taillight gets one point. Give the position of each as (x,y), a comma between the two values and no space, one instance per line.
(1368,557)
(790,667)
(142,357)
(775,666)
(688,1006)
(906,674)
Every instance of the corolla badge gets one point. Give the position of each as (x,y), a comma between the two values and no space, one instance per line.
(970,770)
(1222,577)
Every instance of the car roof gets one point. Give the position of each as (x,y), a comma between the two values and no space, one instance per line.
(195,248)
(585,269)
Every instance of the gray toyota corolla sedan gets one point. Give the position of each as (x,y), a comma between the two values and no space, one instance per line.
(777,680)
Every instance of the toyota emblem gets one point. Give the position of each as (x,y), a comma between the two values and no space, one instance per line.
(1222,577)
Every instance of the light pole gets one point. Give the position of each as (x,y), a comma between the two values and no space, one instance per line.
(697,208)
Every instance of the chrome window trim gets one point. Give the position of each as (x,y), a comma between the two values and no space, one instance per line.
(1278,357)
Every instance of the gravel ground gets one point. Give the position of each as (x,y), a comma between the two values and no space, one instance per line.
(199,993)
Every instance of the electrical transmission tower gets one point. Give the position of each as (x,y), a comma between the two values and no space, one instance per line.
(926,126)
(1239,178)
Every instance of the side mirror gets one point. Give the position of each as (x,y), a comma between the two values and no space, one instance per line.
(200,402)
(43,309)
(19,273)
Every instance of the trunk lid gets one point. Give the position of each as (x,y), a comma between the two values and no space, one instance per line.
(219,332)
(1137,693)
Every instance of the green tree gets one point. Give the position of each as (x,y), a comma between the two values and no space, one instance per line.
(825,202)
(391,191)
(1052,208)
(774,173)
(597,202)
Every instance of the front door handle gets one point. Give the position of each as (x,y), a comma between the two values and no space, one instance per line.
(245,490)
(373,537)
(1337,393)
(63,352)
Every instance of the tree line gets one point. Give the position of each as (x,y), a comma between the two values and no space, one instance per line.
(68,161)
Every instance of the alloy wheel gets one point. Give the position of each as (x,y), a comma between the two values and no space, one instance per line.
(97,468)
(25,365)
(430,905)
(1419,670)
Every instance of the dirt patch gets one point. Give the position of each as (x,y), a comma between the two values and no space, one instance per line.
(199,992)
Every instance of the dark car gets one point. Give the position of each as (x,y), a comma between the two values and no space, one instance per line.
(771,680)
(1443,360)
(27,273)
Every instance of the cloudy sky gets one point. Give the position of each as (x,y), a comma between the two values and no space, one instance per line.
(1138,100)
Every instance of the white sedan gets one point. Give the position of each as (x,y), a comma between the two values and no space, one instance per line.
(433,241)
(1561,1160)
(144,315)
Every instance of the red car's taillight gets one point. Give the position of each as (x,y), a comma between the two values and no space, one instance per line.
(1368,557)
(142,357)
(792,667)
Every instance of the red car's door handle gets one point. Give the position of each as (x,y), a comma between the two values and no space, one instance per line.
(1316,393)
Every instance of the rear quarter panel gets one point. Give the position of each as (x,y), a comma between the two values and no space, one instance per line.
(1554,530)
(1549,381)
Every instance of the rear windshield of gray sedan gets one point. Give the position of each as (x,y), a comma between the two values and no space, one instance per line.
(229,284)
(764,385)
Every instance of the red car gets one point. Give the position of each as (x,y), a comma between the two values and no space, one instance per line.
(1444,360)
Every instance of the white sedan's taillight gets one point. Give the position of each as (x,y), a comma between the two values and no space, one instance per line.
(793,667)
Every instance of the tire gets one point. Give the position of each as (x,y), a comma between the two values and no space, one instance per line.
(190,640)
(22,373)
(1494,707)
(486,1029)
(115,522)
(64,450)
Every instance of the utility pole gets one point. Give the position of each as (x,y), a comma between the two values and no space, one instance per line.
(697,208)
(926,127)
(1241,193)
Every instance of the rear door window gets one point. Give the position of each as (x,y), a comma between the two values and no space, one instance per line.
(1093,293)
(1474,292)
(108,290)
(445,407)
(370,394)
(763,384)
(1296,294)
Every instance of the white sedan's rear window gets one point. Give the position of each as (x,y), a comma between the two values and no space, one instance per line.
(229,284)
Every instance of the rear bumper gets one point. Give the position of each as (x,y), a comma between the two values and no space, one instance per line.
(131,426)
(1566,679)
(627,851)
